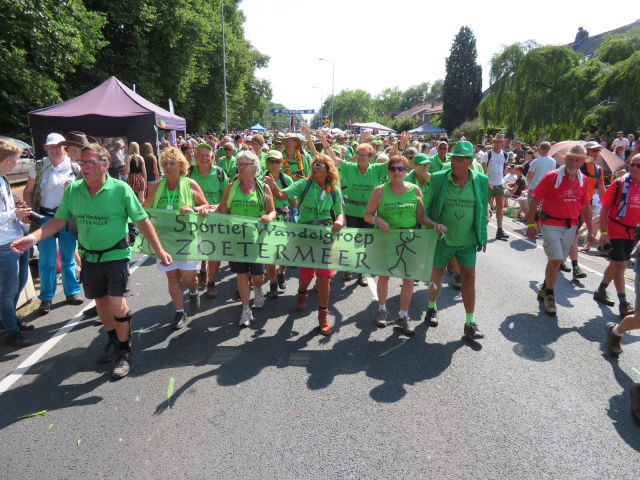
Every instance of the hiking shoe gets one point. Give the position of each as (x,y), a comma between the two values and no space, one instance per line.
(301,300)
(362,280)
(550,304)
(348,276)
(501,235)
(381,319)
(472,331)
(194,302)
(91,312)
(431,317)
(110,351)
(45,307)
(17,339)
(258,298)
(273,290)
(602,297)
(202,280)
(212,291)
(122,366)
(23,327)
(323,321)
(612,341)
(578,273)
(457,283)
(282,281)
(542,293)
(74,300)
(179,320)
(634,391)
(564,267)
(245,318)
(403,322)
(626,309)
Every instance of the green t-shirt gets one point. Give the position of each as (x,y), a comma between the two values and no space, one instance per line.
(436,164)
(314,207)
(360,187)
(287,181)
(229,166)
(458,213)
(102,220)
(411,178)
(210,185)
(399,211)
(245,205)
(293,164)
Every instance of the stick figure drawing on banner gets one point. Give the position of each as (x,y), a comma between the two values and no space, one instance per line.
(400,249)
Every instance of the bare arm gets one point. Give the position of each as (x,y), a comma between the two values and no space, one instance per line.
(144,169)
(372,207)
(271,209)
(155,169)
(305,130)
(27,194)
(148,202)
(48,230)
(327,149)
(127,164)
(279,194)
(222,206)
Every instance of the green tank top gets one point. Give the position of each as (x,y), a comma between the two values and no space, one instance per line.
(399,211)
(245,205)
(177,198)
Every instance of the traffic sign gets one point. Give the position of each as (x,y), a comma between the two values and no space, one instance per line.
(326,122)
(300,112)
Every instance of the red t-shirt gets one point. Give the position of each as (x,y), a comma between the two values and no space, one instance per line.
(632,217)
(566,201)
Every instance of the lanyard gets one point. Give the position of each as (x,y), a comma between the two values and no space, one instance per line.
(2,187)
(171,198)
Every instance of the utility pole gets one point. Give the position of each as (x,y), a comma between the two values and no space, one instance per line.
(224,73)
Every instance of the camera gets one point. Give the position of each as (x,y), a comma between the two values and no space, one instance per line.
(36,218)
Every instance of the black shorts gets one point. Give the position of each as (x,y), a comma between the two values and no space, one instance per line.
(357,222)
(106,278)
(252,268)
(621,249)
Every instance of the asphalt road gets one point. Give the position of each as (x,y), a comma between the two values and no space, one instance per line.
(537,398)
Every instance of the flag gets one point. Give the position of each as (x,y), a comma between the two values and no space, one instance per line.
(417,118)
(349,121)
(162,124)
(293,128)
(171,106)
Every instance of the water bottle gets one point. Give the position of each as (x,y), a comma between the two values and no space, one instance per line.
(296,217)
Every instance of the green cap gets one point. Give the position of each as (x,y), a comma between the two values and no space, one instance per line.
(463,149)
(336,148)
(274,154)
(421,159)
(204,145)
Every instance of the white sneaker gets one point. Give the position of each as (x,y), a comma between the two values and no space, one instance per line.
(258,298)
(245,318)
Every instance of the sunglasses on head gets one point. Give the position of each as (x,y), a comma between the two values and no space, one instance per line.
(397,169)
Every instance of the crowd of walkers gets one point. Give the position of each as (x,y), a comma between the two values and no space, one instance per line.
(86,198)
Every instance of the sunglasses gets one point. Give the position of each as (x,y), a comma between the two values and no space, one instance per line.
(90,163)
(409,158)
(226,149)
(637,165)
(443,148)
(274,161)
(397,169)
(318,165)
(244,165)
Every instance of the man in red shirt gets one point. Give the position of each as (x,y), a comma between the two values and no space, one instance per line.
(619,216)
(564,194)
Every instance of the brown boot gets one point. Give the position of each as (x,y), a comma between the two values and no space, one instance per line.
(612,341)
(202,280)
(212,291)
(301,300)
(323,321)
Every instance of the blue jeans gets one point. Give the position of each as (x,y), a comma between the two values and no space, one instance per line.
(12,280)
(47,264)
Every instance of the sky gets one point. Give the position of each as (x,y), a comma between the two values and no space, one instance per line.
(381,44)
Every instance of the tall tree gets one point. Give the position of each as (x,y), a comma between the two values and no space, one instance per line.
(436,90)
(462,90)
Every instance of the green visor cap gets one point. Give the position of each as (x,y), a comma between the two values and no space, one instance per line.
(421,159)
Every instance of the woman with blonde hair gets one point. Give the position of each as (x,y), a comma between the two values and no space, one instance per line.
(319,196)
(179,193)
(135,170)
(150,164)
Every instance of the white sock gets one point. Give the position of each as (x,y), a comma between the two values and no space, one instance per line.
(382,307)
(193,293)
(403,313)
(180,311)
(244,309)
(615,331)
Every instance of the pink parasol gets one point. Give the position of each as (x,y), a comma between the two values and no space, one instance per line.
(606,159)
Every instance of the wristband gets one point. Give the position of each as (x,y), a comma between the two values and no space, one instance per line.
(604,233)
(33,238)
(375,215)
(531,225)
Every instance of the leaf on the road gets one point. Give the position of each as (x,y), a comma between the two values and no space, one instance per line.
(78,442)
(393,348)
(50,426)
(33,414)
(170,391)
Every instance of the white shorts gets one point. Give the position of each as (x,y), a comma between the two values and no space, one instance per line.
(179,265)
(557,241)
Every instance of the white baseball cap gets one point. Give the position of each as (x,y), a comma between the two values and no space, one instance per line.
(54,139)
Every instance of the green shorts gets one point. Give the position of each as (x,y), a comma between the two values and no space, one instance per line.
(465,255)
(497,191)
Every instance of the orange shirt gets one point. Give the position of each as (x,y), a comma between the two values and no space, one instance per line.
(589,170)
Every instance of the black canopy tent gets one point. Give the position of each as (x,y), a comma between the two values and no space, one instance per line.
(109,110)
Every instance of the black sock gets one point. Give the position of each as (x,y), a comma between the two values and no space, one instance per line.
(112,334)
(323,308)
(574,263)
(622,297)
(603,287)
(550,291)
(544,284)
(125,346)
(302,291)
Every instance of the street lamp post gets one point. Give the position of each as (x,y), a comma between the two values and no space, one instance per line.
(333,80)
(320,121)
(224,74)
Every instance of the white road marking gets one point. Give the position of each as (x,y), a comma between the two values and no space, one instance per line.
(530,242)
(372,286)
(14,376)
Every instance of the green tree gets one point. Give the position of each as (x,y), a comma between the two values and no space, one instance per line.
(462,89)
(276,120)
(414,95)
(356,105)
(436,90)
(390,99)
(43,42)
